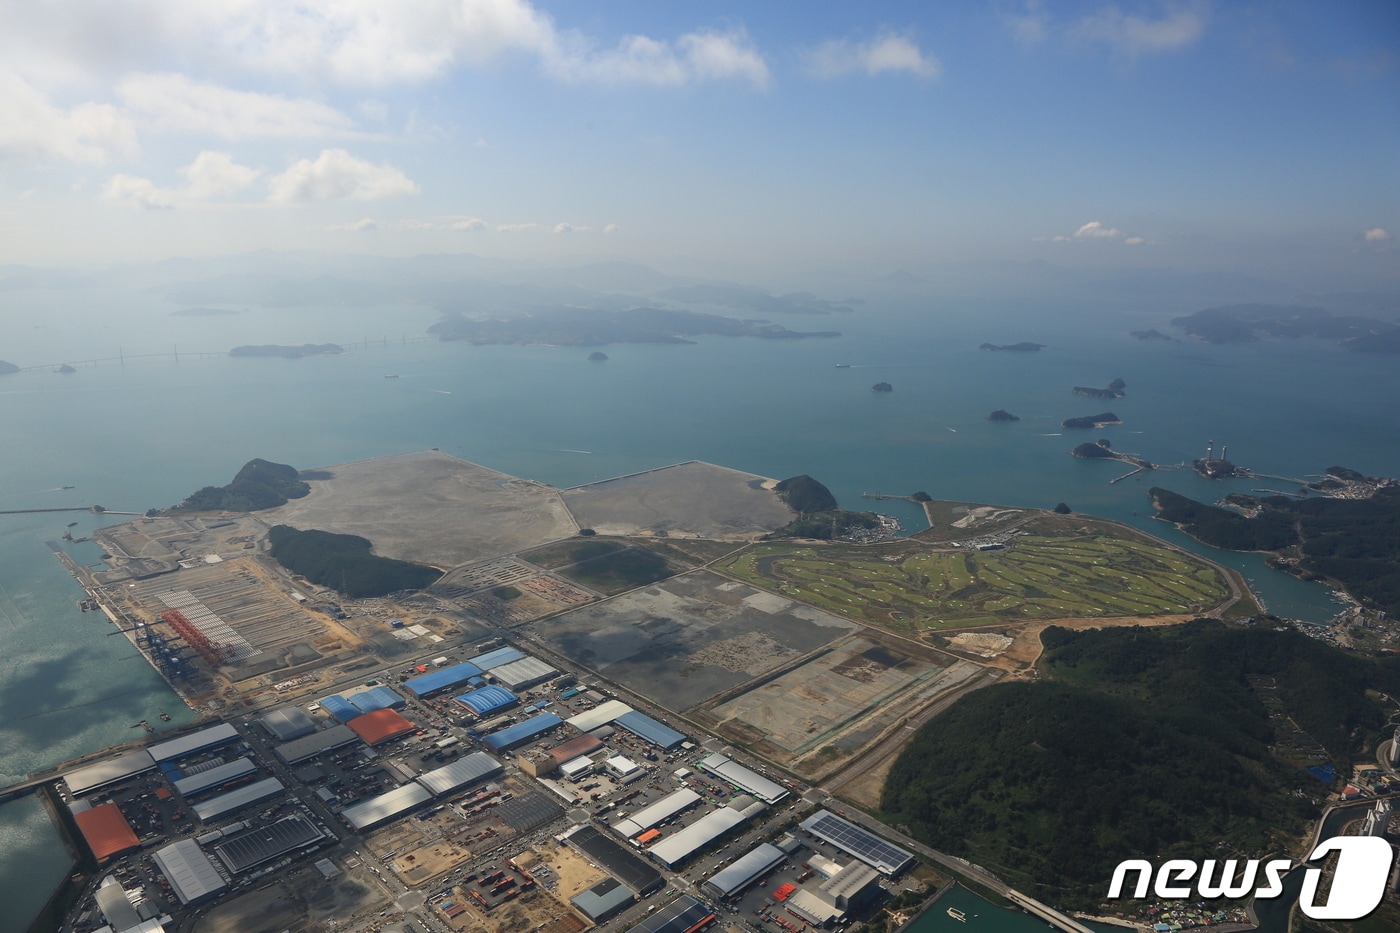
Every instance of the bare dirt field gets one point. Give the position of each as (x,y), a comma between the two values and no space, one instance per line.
(429,508)
(691,499)
(691,637)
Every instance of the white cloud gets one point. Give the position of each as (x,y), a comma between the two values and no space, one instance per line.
(139,191)
(567,228)
(365,43)
(1134,241)
(353,226)
(32,129)
(375,110)
(1031,26)
(887,53)
(612,228)
(1376,235)
(215,175)
(697,56)
(519,228)
(469,223)
(174,103)
(336,175)
(1133,35)
(1095,229)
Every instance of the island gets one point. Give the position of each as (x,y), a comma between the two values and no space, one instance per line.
(1001,414)
(345,563)
(597,356)
(1103,450)
(1023,347)
(592,327)
(1218,468)
(7,367)
(1114,390)
(66,368)
(882,387)
(1152,335)
(1249,322)
(1092,421)
(288,352)
(260,484)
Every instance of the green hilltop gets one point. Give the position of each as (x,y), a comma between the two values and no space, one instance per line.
(1138,743)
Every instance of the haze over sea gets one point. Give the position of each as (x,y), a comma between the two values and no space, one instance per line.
(147,432)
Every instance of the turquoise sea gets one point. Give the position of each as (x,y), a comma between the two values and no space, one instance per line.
(144,432)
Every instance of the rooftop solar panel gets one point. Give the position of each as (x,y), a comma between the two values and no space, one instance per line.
(864,845)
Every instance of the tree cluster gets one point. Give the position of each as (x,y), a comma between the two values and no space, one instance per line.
(344,562)
(1138,743)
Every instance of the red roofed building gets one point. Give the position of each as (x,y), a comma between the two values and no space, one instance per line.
(380,726)
(107,832)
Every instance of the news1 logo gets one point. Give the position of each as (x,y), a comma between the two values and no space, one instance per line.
(1358,884)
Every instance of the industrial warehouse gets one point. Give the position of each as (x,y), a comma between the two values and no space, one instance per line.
(475,768)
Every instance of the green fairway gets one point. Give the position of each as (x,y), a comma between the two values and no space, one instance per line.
(1044,574)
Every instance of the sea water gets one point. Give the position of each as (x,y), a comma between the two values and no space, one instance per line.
(136,432)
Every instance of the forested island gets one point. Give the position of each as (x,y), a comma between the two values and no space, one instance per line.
(818,513)
(1248,322)
(1156,741)
(597,356)
(590,327)
(1092,421)
(6,368)
(1001,414)
(882,387)
(260,484)
(1354,542)
(1023,347)
(1114,390)
(288,352)
(344,562)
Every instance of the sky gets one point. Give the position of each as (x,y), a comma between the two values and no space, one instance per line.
(1260,137)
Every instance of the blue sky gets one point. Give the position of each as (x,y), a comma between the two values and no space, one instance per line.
(1252,136)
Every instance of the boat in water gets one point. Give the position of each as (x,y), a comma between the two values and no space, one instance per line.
(957,915)
(843,365)
(391,375)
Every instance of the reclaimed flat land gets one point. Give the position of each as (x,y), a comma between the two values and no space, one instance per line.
(955,521)
(1049,571)
(836,702)
(691,499)
(690,638)
(429,508)
(609,566)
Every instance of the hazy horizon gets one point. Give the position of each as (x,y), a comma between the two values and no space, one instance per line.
(762,145)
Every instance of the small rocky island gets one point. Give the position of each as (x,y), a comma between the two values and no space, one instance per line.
(1001,414)
(597,356)
(882,387)
(1092,421)
(1103,450)
(1114,390)
(289,352)
(1023,347)
(67,368)
(1152,335)
(6,368)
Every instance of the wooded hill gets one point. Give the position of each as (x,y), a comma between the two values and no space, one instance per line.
(1355,542)
(1138,743)
(261,484)
(345,563)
